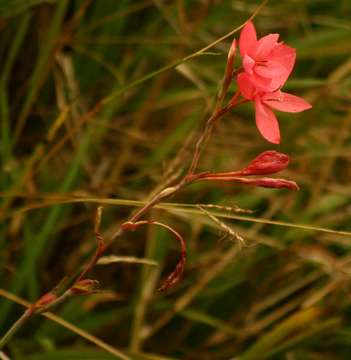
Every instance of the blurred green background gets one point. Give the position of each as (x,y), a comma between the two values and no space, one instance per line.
(77,131)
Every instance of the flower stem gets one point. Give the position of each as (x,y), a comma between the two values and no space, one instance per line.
(165,193)
(28,313)
(188,178)
(15,327)
(217,114)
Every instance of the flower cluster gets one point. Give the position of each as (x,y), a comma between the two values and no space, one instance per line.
(266,65)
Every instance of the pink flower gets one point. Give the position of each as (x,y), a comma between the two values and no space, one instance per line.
(267,62)
(266,121)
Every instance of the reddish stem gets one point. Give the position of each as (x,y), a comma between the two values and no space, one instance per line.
(174,277)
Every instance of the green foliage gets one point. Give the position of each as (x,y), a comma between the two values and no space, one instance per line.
(100,102)
(15,7)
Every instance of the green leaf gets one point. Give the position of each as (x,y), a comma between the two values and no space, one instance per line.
(15,7)
(78,354)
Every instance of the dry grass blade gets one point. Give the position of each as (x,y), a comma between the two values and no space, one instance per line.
(224,227)
(110,259)
(3,356)
(229,209)
(178,207)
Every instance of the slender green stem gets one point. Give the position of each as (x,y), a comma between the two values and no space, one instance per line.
(28,313)
(15,327)
(4,100)
(218,113)
(42,62)
(54,303)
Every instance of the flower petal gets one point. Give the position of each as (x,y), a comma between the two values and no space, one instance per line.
(286,102)
(247,89)
(277,82)
(286,56)
(265,46)
(271,69)
(248,39)
(266,122)
(261,83)
(248,64)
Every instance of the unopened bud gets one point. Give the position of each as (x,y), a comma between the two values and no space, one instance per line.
(231,57)
(262,182)
(228,75)
(168,191)
(84,287)
(268,162)
(44,301)
(273,183)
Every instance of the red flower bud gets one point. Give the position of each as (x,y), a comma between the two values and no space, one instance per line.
(228,74)
(269,183)
(268,162)
(263,182)
(231,57)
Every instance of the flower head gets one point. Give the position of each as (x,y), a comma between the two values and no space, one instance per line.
(264,102)
(84,287)
(267,62)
